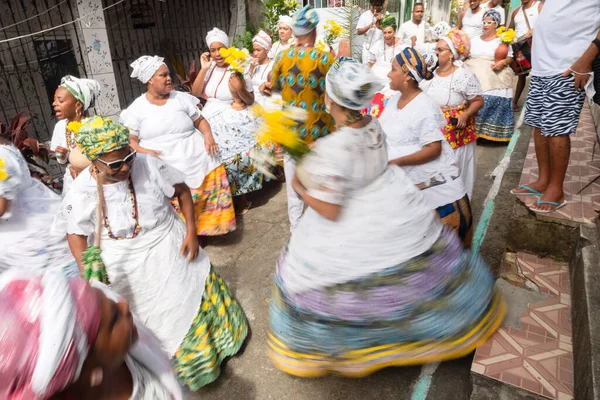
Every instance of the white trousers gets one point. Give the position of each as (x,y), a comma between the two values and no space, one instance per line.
(466,160)
(295,203)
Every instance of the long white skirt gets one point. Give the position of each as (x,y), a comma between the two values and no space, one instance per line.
(466,161)
(162,287)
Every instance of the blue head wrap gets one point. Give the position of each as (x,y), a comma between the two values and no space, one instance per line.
(413,62)
(493,14)
(305,20)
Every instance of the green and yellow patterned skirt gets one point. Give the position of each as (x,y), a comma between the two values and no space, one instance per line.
(218,332)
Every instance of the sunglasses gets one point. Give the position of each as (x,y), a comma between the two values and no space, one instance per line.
(489,23)
(118,164)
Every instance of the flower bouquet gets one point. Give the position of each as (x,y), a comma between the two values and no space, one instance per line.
(278,127)
(507,36)
(238,61)
(333,30)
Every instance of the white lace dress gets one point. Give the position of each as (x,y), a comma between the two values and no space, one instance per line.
(408,130)
(451,92)
(234,131)
(162,287)
(25,238)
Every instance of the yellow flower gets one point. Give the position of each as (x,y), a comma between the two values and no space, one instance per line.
(3,175)
(501,30)
(74,126)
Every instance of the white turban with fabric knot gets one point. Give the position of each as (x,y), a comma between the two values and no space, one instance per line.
(145,67)
(84,90)
(263,39)
(351,84)
(217,35)
(284,19)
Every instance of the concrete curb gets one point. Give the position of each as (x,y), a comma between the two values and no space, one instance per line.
(585,314)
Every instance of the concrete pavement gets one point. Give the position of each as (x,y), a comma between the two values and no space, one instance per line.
(246,259)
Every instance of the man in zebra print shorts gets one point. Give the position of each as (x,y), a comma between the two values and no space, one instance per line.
(565,44)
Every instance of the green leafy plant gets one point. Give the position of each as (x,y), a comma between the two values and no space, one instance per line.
(349,18)
(244,41)
(275,9)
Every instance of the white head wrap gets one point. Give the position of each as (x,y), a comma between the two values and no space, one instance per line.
(440,30)
(284,19)
(217,35)
(458,60)
(263,39)
(351,84)
(84,90)
(145,67)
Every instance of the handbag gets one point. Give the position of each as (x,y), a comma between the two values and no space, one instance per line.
(521,64)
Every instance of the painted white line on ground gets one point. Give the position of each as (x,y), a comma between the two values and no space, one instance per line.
(423,383)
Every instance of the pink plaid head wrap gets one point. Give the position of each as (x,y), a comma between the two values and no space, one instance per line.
(459,44)
(48,324)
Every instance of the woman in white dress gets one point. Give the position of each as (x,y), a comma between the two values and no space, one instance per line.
(383,52)
(168,124)
(79,341)
(72,100)
(412,122)
(458,93)
(152,257)
(27,209)
(496,119)
(260,68)
(371,278)
(286,37)
(226,110)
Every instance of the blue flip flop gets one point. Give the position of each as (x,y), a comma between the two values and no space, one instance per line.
(552,203)
(532,192)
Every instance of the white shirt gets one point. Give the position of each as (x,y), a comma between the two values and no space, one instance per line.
(481,48)
(410,29)
(170,129)
(564,31)
(410,129)
(521,27)
(373,35)
(382,56)
(472,24)
(498,8)
(258,77)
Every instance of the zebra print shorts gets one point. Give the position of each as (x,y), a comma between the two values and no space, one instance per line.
(553,106)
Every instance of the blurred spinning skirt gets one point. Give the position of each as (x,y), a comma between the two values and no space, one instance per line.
(437,306)
(218,332)
(213,205)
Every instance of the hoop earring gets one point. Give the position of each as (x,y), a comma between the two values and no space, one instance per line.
(78,113)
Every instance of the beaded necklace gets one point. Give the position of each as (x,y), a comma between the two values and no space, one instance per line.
(134,213)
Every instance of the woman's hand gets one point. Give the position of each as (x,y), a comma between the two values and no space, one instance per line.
(190,246)
(205,61)
(210,145)
(153,153)
(462,121)
(61,152)
(266,88)
(499,66)
(236,83)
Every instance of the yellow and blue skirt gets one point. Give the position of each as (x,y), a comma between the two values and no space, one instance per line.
(437,306)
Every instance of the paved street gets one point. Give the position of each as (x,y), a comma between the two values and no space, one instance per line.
(246,259)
